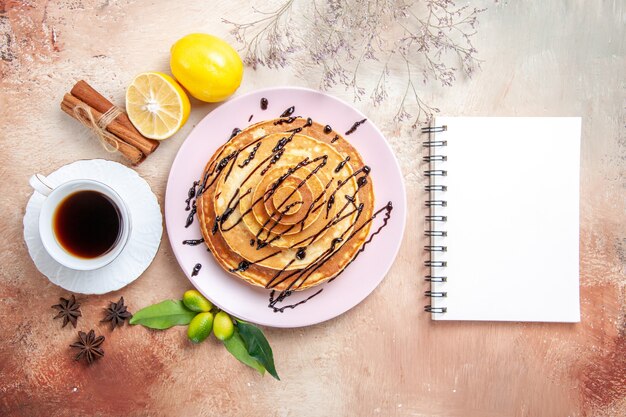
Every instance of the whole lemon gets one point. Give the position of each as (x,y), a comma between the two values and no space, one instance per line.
(208,67)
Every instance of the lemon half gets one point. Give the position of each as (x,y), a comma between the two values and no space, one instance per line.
(156,105)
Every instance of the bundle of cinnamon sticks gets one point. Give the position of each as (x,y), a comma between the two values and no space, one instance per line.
(120,132)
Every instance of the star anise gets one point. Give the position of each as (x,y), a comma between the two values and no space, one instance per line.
(116,313)
(68,310)
(89,346)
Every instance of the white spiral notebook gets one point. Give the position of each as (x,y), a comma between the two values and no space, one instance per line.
(503,201)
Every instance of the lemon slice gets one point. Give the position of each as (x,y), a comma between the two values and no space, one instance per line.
(156,105)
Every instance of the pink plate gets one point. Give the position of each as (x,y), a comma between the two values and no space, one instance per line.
(251,303)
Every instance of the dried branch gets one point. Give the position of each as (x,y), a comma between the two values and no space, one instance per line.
(419,42)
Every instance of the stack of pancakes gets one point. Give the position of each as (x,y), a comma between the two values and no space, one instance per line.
(285,204)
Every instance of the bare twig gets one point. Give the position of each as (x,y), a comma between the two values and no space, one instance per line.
(431,39)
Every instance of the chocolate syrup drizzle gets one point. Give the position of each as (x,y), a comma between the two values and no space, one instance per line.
(234,133)
(264,103)
(193,242)
(281,297)
(196,270)
(288,112)
(347,210)
(190,195)
(251,156)
(191,214)
(355,126)
(250,118)
(288,120)
(342,164)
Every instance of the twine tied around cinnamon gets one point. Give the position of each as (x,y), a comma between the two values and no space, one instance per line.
(99,125)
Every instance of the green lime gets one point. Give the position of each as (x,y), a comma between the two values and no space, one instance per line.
(195,301)
(223,327)
(200,327)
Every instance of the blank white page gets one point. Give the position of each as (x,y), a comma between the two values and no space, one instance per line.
(512,219)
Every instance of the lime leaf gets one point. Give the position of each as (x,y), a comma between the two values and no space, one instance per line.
(257,346)
(237,348)
(163,315)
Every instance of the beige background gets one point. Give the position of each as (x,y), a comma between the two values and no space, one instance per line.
(384,357)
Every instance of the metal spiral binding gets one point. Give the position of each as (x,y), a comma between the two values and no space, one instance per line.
(432,158)
(436,218)
(435,143)
(435,173)
(430,278)
(435,202)
(434,294)
(431,309)
(434,129)
(436,188)
(441,233)
(436,264)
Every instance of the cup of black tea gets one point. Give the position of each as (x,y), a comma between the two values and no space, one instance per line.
(83,224)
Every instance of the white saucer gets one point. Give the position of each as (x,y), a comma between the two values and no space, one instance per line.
(144,241)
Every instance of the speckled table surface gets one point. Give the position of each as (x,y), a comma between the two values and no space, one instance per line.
(384,357)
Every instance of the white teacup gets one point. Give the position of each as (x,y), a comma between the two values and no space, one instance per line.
(54,197)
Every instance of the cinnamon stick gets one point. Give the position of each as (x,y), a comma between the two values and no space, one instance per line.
(86,93)
(134,155)
(115,127)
